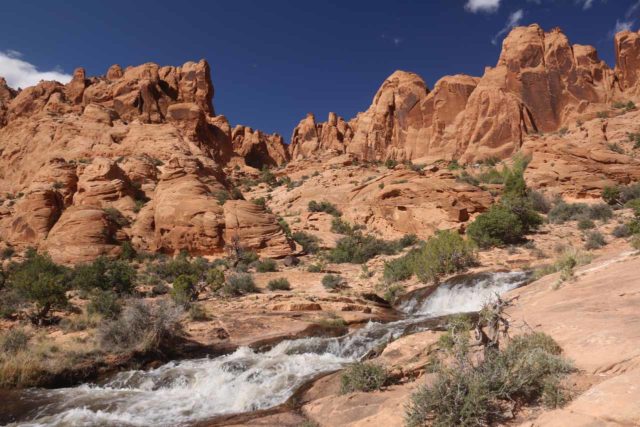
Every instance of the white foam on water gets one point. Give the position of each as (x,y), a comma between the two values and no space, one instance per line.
(465,297)
(179,393)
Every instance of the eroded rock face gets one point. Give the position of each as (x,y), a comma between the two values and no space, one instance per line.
(627,48)
(310,137)
(259,149)
(134,155)
(541,83)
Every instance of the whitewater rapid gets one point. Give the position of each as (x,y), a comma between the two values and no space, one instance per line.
(183,392)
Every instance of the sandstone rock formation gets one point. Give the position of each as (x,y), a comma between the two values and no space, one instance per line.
(541,83)
(134,155)
(309,137)
(259,149)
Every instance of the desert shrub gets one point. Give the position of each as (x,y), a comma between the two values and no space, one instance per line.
(563,212)
(104,273)
(456,398)
(363,376)
(267,265)
(586,224)
(315,268)
(392,292)
(128,252)
(621,230)
(169,270)
(595,240)
(615,147)
(399,269)
(407,240)
(453,165)
(260,201)
(467,178)
(619,195)
(496,226)
(10,303)
(444,253)
(115,216)
(539,201)
(472,394)
(331,281)
(197,313)
(358,248)
(513,217)
(635,242)
(104,303)
(280,284)
(7,253)
(239,284)
(310,243)
(285,226)
(611,195)
(214,279)
(491,176)
(40,281)
(142,326)
(13,341)
(184,291)
(601,212)
(340,226)
(268,177)
(323,206)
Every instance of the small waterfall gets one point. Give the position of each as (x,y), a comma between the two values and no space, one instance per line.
(182,392)
(465,294)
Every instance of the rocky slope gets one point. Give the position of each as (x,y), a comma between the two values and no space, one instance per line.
(135,155)
(140,155)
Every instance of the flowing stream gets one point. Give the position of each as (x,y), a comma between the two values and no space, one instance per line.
(187,391)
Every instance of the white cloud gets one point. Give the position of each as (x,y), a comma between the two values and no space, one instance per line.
(20,73)
(475,6)
(514,19)
(586,4)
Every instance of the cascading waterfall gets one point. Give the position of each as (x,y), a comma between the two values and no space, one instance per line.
(182,392)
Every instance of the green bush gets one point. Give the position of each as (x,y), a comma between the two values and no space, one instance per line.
(239,284)
(456,398)
(363,376)
(359,248)
(315,268)
(497,226)
(339,226)
(595,240)
(267,265)
(281,284)
(619,195)
(586,224)
(469,394)
(40,281)
(183,291)
(635,242)
(104,303)
(310,243)
(128,252)
(169,270)
(563,212)
(105,274)
(444,253)
(214,279)
(331,281)
(323,206)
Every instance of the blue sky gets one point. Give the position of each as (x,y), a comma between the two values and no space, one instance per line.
(274,61)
